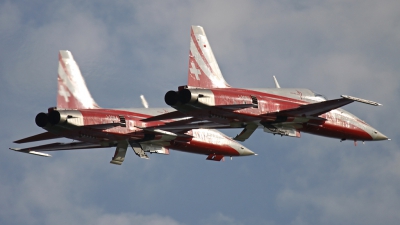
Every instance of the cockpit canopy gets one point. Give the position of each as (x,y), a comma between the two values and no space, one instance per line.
(317,97)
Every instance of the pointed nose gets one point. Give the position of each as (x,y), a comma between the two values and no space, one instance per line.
(378,136)
(245,151)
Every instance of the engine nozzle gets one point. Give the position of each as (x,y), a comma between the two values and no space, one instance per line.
(171,98)
(185,96)
(54,117)
(41,119)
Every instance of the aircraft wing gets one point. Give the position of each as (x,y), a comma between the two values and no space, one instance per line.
(179,115)
(316,109)
(166,116)
(188,124)
(57,147)
(38,137)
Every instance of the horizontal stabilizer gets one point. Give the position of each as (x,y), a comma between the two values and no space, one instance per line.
(38,137)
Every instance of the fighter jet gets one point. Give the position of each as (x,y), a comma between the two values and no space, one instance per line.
(78,117)
(208,99)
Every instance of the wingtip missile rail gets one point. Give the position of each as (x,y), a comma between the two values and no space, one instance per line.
(361,100)
(31,152)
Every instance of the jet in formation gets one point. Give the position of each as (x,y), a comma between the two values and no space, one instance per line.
(206,103)
(78,117)
(209,101)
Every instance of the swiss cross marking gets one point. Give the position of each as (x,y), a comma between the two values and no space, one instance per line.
(195,71)
(64,93)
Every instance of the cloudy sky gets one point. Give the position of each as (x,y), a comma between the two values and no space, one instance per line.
(128,48)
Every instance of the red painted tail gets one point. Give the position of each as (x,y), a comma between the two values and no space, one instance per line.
(203,71)
(72,90)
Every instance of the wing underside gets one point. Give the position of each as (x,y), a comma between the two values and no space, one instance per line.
(57,147)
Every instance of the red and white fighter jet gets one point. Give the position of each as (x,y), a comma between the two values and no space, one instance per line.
(208,100)
(78,117)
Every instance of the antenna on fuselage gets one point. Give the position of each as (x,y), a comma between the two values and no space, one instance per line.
(276,82)
(144,102)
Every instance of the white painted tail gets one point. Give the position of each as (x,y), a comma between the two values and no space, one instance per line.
(72,90)
(203,71)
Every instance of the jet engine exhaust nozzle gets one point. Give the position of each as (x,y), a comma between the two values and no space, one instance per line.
(171,98)
(41,119)
(185,96)
(54,117)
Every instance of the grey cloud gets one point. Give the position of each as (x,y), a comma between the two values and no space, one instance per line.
(350,188)
(135,219)
(9,19)
(220,218)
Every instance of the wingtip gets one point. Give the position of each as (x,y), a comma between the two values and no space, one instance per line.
(31,152)
(369,102)
(39,153)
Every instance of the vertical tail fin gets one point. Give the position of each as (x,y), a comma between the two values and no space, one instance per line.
(72,90)
(203,71)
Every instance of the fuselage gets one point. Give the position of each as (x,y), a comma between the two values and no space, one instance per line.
(269,107)
(108,126)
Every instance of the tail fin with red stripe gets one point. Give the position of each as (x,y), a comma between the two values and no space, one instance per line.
(72,90)
(203,71)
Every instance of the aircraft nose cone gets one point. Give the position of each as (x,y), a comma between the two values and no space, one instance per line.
(379,136)
(245,151)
